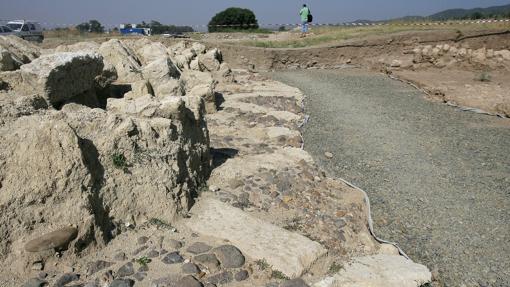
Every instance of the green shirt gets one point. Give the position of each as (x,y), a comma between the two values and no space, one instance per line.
(304,14)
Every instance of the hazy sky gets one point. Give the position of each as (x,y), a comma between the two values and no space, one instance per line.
(197,12)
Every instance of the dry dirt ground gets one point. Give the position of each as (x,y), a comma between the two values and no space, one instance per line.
(468,67)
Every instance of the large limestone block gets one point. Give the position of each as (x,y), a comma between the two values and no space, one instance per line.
(46,184)
(170,87)
(22,51)
(7,63)
(139,89)
(288,252)
(177,49)
(211,60)
(379,271)
(147,106)
(61,76)
(242,167)
(200,84)
(166,155)
(152,52)
(198,48)
(124,60)
(160,69)
(505,54)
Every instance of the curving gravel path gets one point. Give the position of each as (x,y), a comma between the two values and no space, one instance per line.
(438,178)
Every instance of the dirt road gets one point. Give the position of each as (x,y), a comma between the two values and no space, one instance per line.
(438,178)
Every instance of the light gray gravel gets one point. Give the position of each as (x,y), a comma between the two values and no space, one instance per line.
(438,178)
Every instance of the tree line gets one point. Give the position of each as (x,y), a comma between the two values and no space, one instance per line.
(94,26)
(231,19)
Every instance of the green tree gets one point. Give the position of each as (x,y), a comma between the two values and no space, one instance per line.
(158,28)
(96,27)
(476,16)
(83,27)
(91,26)
(233,19)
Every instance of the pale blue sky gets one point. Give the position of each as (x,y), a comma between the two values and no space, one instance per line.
(196,12)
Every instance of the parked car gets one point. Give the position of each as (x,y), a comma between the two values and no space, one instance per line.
(175,35)
(28,30)
(4,30)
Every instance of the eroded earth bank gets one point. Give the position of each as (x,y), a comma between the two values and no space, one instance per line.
(133,163)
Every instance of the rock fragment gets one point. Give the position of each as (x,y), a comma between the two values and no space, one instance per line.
(198,248)
(126,270)
(229,256)
(190,268)
(172,258)
(57,239)
(35,282)
(98,265)
(122,283)
(221,278)
(189,281)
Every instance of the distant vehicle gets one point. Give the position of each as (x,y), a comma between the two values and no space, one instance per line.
(28,30)
(175,35)
(134,31)
(4,30)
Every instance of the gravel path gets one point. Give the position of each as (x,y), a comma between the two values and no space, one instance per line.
(438,178)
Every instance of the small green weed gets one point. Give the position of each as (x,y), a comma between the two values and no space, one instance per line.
(262,264)
(143,261)
(293,224)
(278,275)
(334,268)
(484,77)
(160,223)
(119,160)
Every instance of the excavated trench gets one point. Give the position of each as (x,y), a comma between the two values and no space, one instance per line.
(437,177)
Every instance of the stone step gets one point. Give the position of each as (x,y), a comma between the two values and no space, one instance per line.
(379,271)
(288,252)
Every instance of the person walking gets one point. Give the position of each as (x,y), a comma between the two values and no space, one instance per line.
(305,14)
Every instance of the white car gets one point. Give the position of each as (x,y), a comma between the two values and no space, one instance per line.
(4,30)
(28,30)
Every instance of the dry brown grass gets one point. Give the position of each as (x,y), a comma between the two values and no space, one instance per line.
(331,34)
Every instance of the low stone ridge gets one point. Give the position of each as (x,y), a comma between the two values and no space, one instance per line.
(74,148)
(287,252)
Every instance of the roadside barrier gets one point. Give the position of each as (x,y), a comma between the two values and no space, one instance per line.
(343,24)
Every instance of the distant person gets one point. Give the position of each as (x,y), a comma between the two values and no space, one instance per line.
(305,19)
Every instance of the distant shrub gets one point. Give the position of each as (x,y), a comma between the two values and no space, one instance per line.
(92,26)
(233,18)
(484,77)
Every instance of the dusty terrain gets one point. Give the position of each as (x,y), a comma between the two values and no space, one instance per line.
(467,67)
